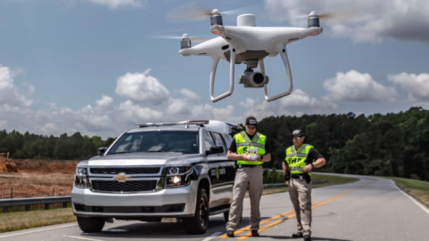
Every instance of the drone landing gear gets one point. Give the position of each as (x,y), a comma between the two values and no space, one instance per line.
(215,61)
(283,54)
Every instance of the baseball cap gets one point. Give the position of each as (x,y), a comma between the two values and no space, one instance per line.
(298,133)
(251,121)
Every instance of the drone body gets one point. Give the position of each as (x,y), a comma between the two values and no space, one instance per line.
(248,44)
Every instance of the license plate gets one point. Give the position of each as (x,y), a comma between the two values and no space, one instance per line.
(169,220)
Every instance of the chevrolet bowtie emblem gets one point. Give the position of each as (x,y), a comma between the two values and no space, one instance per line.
(121,177)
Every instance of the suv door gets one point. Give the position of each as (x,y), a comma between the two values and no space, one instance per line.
(228,165)
(217,173)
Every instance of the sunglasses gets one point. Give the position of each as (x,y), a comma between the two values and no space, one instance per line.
(297,137)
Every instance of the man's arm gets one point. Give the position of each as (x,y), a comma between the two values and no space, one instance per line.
(286,172)
(320,161)
(234,156)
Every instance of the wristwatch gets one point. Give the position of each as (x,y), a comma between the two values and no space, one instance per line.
(312,166)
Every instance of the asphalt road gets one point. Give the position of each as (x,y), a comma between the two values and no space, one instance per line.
(370,209)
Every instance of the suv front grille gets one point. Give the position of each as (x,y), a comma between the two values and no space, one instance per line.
(139,170)
(129,186)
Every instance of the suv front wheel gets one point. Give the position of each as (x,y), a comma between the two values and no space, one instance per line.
(199,222)
(90,225)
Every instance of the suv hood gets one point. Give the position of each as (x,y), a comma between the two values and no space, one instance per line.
(138,159)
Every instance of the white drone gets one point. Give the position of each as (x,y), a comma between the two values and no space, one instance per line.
(248,44)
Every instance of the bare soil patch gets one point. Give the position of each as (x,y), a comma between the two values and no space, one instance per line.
(36,178)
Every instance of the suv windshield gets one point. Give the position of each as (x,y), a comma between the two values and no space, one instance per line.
(157,141)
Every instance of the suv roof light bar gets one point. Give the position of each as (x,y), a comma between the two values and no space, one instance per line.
(186,123)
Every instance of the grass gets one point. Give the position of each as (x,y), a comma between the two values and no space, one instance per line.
(24,220)
(416,188)
(17,219)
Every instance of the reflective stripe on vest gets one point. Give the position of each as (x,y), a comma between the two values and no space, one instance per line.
(296,159)
(243,143)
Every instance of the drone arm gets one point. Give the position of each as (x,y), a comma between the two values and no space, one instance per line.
(215,61)
(283,54)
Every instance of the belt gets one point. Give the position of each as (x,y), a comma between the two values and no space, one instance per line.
(250,166)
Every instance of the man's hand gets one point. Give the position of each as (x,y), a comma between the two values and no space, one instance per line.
(307,168)
(287,183)
(246,157)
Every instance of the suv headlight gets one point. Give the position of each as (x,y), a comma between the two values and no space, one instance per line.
(178,176)
(81,179)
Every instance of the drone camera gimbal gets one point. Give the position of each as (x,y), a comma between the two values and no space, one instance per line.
(251,79)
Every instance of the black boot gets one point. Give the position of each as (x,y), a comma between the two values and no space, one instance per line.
(297,235)
(230,234)
(255,233)
(307,238)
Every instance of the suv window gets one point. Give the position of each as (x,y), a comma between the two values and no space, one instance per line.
(219,140)
(208,140)
(157,141)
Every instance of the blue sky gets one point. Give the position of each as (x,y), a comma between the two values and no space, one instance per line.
(92,65)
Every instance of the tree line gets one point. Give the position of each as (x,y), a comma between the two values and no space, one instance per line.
(64,147)
(393,144)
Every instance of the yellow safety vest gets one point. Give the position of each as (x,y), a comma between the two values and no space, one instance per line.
(244,143)
(296,158)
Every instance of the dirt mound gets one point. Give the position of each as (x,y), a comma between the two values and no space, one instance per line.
(46,166)
(7,166)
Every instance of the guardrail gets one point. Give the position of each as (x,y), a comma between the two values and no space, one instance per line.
(6,203)
(11,202)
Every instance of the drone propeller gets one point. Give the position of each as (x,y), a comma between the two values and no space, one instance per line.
(335,15)
(195,39)
(195,11)
(180,34)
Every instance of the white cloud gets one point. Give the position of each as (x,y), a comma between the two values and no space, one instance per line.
(141,87)
(178,107)
(300,99)
(104,104)
(134,113)
(9,94)
(120,3)
(416,85)
(355,86)
(189,95)
(364,20)
(258,109)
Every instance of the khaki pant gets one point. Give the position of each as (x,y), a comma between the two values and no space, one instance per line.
(251,176)
(300,195)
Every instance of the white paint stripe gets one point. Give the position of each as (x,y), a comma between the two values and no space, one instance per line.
(212,236)
(38,230)
(412,199)
(85,238)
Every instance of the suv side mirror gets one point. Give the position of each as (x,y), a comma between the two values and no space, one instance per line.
(215,150)
(102,150)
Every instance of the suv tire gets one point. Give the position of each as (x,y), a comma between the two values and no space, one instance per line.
(199,222)
(90,225)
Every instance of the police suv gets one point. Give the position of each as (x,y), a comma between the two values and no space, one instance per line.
(167,172)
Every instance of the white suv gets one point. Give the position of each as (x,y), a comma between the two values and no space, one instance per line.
(158,172)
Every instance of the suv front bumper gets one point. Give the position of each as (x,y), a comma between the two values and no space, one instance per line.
(170,202)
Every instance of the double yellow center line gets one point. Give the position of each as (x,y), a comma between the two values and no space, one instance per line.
(287,215)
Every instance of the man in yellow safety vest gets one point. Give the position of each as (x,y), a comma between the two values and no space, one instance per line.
(300,160)
(250,150)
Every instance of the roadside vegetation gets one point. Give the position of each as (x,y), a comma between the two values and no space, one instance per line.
(416,188)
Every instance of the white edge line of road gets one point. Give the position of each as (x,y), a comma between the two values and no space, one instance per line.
(84,238)
(214,235)
(412,199)
(35,231)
